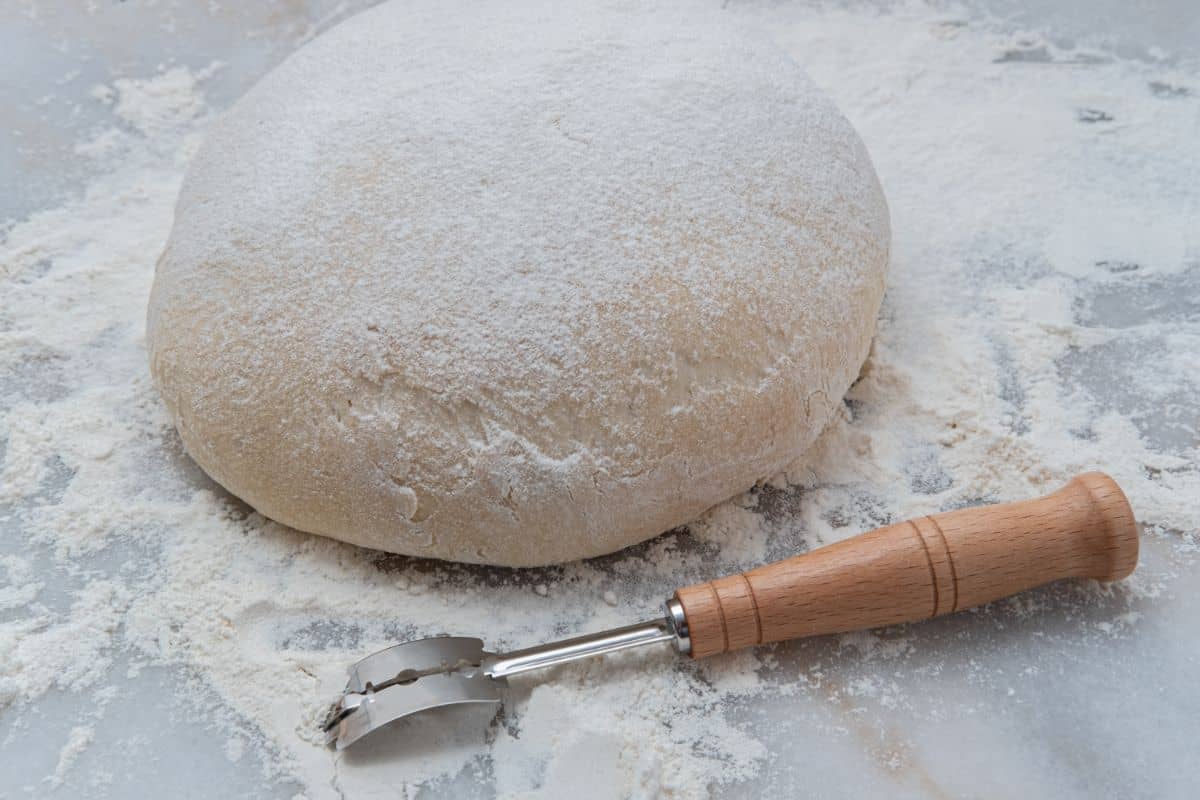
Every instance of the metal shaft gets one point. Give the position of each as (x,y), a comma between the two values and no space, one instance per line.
(548,655)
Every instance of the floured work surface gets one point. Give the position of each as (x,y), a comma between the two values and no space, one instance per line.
(1041,320)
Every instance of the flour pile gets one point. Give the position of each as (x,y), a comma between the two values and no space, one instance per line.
(1042,198)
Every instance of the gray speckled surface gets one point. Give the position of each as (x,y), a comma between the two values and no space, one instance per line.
(1105,716)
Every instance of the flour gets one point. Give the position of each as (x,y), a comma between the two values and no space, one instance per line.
(18,588)
(156,105)
(68,651)
(81,736)
(991,379)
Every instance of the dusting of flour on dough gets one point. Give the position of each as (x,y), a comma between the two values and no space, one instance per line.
(996,396)
(451,264)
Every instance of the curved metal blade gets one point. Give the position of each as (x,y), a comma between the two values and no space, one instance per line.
(407,678)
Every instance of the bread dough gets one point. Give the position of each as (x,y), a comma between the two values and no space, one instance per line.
(517,283)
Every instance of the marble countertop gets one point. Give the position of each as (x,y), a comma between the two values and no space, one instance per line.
(1066,700)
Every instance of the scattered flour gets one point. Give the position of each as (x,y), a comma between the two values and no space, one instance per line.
(159,104)
(71,650)
(18,588)
(81,736)
(1003,364)
(235,748)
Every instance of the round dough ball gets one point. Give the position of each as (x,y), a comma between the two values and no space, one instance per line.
(517,283)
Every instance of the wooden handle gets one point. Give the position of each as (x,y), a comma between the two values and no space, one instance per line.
(919,569)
